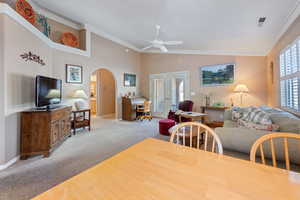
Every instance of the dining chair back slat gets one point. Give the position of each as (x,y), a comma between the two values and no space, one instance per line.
(271,137)
(193,132)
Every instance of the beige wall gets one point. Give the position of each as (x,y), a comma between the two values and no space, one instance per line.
(249,70)
(19,78)
(105,55)
(106,96)
(19,75)
(273,88)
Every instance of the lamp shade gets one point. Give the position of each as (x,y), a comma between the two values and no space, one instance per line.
(80,94)
(241,88)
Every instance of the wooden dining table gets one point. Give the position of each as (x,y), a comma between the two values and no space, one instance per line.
(159,170)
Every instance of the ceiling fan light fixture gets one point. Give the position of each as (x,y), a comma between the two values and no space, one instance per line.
(160,44)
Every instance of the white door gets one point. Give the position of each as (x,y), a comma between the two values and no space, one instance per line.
(167,90)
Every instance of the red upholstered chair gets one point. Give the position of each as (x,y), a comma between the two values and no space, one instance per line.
(186,106)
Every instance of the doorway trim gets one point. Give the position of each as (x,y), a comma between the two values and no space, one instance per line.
(168,77)
(116,89)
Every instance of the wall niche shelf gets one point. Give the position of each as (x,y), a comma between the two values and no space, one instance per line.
(7,10)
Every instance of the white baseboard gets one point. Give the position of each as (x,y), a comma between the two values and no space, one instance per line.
(9,163)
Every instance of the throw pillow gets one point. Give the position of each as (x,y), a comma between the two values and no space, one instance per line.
(237,113)
(257,116)
(247,112)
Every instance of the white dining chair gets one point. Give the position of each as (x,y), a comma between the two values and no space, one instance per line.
(196,135)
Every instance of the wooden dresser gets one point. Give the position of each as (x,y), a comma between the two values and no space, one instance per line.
(42,131)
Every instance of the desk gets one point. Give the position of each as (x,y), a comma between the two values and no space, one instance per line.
(159,170)
(129,105)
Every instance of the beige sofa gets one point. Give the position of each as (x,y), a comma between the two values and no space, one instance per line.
(241,139)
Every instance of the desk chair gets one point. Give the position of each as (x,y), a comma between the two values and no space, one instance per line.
(144,111)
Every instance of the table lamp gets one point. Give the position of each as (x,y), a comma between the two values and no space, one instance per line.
(241,89)
(80,94)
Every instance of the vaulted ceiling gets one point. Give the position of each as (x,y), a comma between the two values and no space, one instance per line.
(205,26)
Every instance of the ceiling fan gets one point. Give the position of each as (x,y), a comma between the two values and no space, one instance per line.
(160,44)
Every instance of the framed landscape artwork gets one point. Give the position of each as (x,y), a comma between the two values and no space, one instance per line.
(73,74)
(129,80)
(217,74)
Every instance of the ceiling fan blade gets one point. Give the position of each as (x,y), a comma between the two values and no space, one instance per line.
(148,47)
(173,42)
(163,49)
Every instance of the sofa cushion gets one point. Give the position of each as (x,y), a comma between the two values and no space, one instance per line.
(230,124)
(239,139)
(228,114)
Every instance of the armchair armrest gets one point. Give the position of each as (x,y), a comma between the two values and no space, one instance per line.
(228,114)
(81,114)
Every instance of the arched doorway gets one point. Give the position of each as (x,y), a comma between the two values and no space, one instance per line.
(103,93)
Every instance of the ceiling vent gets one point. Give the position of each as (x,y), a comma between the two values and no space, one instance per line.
(261,21)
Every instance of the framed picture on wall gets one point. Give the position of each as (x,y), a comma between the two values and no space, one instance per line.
(129,80)
(73,74)
(215,75)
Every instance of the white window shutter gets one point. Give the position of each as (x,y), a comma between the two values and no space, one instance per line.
(289,89)
(294,58)
(288,62)
(282,65)
(283,93)
(295,93)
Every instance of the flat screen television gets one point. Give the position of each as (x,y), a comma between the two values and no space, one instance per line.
(48,92)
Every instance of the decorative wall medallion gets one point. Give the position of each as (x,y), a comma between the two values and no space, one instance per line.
(43,22)
(32,57)
(25,10)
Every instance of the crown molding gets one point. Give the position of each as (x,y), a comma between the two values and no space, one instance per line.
(290,19)
(79,26)
(198,52)
(7,10)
